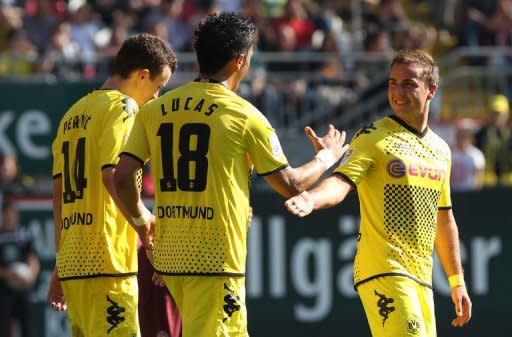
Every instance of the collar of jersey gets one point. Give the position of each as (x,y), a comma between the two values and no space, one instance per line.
(208,80)
(408,127)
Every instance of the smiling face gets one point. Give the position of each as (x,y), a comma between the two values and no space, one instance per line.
(408,93)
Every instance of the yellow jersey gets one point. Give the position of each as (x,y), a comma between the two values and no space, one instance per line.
(203,141)
(96,240)
(402,180)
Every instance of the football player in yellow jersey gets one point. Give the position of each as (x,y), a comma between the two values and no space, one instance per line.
(400,169)
(203,141)
(96,262)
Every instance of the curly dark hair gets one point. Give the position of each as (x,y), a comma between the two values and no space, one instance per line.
(144,51)
(219,38)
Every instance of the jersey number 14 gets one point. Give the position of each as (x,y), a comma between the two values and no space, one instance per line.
(78,174)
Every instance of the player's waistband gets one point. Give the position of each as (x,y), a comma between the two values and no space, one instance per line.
(425,284)
(202,274)
(80,277)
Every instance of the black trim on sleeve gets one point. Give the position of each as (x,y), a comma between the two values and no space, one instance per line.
(445,208)
(347,179)
(133,156)
(58,175)
(357,284)
(108,165)
(273,171)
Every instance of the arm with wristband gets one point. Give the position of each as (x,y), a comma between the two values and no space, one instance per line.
(448,249)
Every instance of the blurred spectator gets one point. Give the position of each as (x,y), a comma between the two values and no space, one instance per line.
(468,161)
(442,12)
(500,25)
(473,22)
(20,56)
(229,5)
(60,57)
(258,90)
(273,8)
(58,8)
(41,25)
(415,36)
(84,27)
(169,14)
(19,267)
(12,181)
(10,19)
(387,15)
(109,40)
(296,24)
(107,9)
(494,139)
(197,10)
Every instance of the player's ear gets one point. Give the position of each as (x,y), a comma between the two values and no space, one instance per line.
(240,61)
(143,74)
(431,91)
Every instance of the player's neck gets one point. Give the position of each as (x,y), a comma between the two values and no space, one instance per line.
(415,122)
(111,83)
(223,77)
(125,86)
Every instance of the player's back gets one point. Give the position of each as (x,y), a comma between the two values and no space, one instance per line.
(95,238)
(202,143)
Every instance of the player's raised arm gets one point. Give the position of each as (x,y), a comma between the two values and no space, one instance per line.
(330,148)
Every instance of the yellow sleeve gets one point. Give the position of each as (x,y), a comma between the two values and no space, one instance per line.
(117,124)
(137,144)
(358,159)
(263,145)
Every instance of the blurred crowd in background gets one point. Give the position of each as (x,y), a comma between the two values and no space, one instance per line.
(72,39)
(75,40)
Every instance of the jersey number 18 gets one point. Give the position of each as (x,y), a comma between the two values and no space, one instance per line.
(189,156)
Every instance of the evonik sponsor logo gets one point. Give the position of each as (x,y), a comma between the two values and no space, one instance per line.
(397,169)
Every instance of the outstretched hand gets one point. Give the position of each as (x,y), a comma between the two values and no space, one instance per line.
(300,205)
(462,304)
(333,140)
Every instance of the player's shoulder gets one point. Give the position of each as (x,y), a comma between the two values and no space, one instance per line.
(118,100)
(372,131)
(437,141)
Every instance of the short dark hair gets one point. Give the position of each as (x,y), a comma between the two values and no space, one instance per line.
(219,38)
(419,57)
(144,51)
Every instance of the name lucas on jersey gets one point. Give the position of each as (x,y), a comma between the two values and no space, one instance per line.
(77,219)
(189,104)
(185,212)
